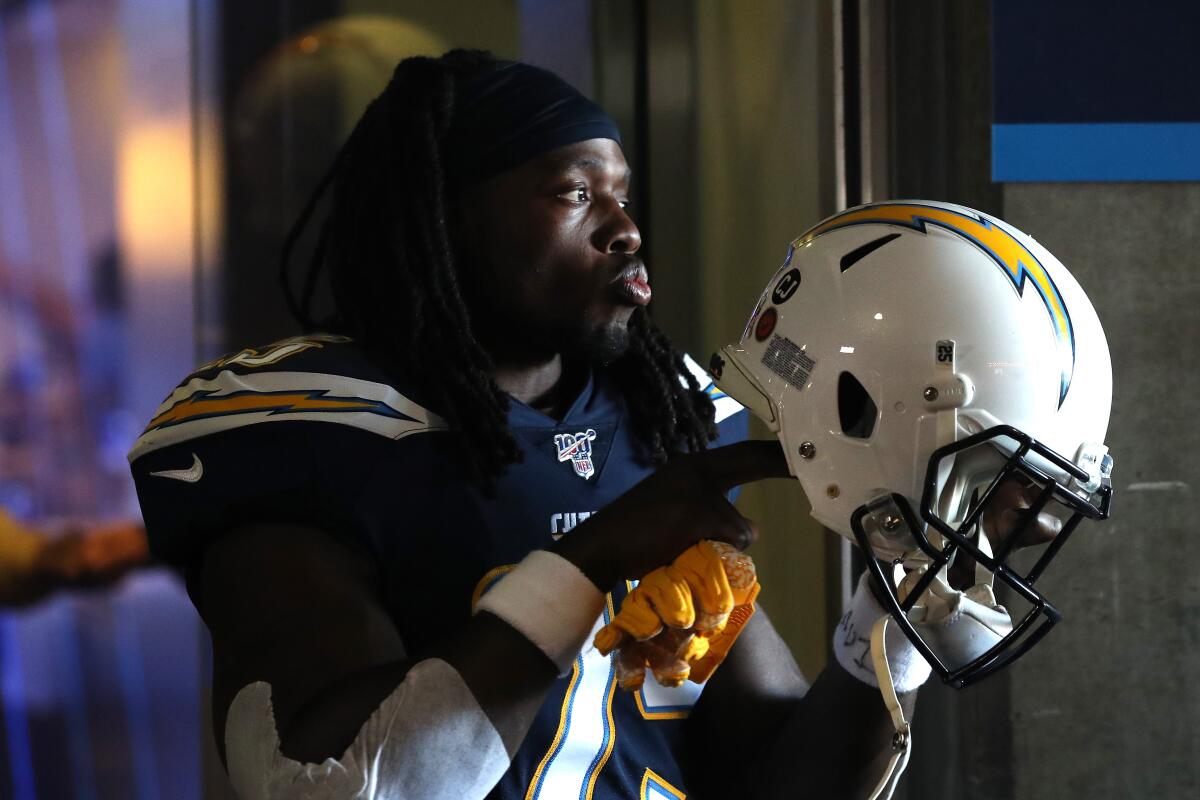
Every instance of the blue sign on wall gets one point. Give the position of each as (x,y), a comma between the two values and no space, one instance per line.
(1096,91)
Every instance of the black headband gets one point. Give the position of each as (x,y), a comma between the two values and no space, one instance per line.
(508,115)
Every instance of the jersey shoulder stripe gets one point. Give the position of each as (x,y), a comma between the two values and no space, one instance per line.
(229,400)
(725,405)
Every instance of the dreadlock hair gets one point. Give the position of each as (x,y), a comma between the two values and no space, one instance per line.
(388,257)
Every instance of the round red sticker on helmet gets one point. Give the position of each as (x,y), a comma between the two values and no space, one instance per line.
(766,323)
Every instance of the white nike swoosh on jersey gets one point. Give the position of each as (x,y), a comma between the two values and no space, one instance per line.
(189,475)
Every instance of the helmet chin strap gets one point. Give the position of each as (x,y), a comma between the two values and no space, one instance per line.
(959,625)
(902,738)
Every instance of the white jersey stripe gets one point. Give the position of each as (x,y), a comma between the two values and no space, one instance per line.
(586,731)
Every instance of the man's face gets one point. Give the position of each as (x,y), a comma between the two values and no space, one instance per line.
(547,256)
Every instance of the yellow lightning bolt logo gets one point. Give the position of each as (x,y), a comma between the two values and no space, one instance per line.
(203,404)
(1013,258)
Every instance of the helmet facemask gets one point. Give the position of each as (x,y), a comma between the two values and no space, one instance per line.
(962,489)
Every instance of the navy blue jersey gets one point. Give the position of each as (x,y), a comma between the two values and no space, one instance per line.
(310,431)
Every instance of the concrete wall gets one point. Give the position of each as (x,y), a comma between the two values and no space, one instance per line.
(1107,706)
(1103,708)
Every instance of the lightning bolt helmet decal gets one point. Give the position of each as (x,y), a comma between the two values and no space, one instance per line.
(1013,258)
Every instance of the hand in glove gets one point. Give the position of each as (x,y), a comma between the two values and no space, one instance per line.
(682,619)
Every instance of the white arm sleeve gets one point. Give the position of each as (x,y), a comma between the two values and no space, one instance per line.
(427,740)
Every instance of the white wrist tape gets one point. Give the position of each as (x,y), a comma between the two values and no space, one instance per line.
(551,602)
(852,644)
(404,749)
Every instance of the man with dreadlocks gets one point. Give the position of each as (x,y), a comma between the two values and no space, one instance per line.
(390,526)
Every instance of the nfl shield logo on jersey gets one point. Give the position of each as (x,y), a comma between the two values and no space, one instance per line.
(577,447)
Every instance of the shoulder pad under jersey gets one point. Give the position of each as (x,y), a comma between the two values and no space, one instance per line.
(290,433)
(317,378)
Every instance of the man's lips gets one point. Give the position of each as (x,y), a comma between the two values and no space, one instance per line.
(633,285)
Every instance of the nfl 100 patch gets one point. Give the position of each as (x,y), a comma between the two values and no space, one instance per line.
(577,448)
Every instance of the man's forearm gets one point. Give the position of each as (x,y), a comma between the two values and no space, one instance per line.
(837,738)
(529,628)
(764,726)
(468,699)
(509,687)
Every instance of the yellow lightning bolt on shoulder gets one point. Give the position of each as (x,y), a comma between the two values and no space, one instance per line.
(203,405)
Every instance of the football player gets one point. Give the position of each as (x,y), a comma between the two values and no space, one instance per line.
(404,528)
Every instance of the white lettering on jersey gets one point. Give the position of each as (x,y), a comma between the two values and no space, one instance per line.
(561,523)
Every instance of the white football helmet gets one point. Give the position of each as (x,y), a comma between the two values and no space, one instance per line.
(912,356)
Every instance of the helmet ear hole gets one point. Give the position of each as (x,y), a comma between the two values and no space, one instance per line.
(856,409)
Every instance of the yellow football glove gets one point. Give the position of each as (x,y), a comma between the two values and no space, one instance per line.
(681,620)
(744,582)
(670,595)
